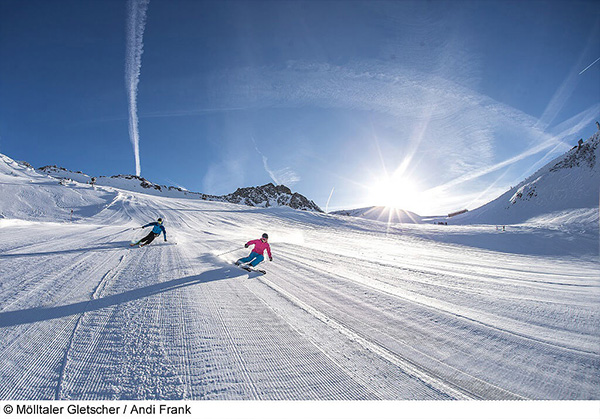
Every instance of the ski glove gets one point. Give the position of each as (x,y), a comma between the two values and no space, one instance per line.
(270,259)
(246,245)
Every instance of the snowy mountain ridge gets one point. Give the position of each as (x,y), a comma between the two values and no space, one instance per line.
(263,196)
(583,156)
(569,183)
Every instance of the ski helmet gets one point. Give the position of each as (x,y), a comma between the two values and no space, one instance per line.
(160,220)
(265,236)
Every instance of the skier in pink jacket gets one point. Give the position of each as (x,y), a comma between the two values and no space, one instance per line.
(256,256)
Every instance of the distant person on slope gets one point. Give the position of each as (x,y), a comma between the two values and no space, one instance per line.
(157,228)
(256,256)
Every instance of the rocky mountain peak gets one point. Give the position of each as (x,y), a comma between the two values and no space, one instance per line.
(583,154)
(271,195)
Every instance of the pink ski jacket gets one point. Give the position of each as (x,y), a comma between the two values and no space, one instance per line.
(260,247)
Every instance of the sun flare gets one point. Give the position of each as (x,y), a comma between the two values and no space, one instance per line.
(397,192)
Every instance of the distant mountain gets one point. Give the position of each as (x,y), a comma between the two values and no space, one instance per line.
(270,195)
(386,214)
(569,183)
(264,196)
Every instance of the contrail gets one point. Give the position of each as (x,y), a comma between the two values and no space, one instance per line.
(597,59)
(329,199)
(553,142)
(266,166)
(136,22)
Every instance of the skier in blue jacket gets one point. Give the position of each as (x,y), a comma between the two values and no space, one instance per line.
(157,228)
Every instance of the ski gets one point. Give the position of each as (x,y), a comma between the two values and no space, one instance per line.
(138,244)
(250,268)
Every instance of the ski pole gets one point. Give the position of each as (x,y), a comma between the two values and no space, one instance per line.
(230,251)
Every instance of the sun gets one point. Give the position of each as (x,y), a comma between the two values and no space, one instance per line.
(396,192)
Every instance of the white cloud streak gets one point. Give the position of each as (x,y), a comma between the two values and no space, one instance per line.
(585,69)
(136,23)
(269,171)
(284,176)
(265,163)
(329,199)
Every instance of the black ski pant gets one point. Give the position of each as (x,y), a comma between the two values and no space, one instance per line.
(148,239)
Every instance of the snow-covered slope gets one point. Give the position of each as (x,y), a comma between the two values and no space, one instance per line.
(264,196)
(568,184)
(350,308)
(385,214)
(29,195)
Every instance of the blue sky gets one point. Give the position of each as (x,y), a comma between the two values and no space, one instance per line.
(433,106)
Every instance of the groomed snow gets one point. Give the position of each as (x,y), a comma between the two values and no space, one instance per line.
(349,309)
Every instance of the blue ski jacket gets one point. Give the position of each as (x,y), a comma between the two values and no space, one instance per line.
(157,228)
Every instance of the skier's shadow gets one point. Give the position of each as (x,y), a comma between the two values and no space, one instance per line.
(101,247)
(38,314)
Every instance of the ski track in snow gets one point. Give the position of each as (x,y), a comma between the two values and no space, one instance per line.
(345,312)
